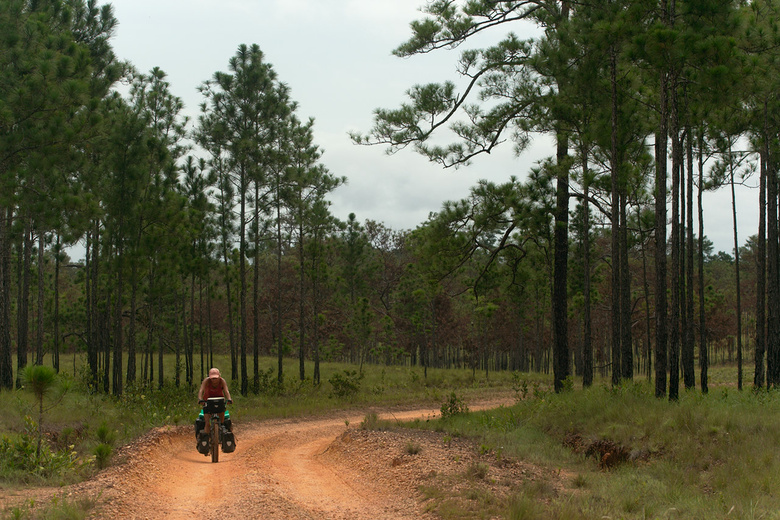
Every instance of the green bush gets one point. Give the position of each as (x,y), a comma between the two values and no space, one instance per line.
(150,408)
(105,434)
(520,386)
(370,422)
(345,386)
(102,454)
(21,460)
(453,406)
(267,383)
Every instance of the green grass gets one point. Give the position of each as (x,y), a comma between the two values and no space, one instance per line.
(83,421)
(712,456)
(58,509)
(86,426)
(704,456)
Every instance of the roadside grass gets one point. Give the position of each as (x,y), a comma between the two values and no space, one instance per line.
(705,456)
(140,408)
(82,422)
(58,509)
(84,426)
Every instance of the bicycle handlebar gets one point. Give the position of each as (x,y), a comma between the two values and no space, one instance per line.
(203,401)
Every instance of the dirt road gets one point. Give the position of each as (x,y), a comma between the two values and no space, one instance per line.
(324,468)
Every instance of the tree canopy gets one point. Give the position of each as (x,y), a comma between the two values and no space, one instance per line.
(215,236)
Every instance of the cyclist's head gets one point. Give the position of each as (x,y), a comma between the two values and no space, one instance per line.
(214,373)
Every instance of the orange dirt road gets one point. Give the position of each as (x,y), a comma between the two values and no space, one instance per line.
(282,469)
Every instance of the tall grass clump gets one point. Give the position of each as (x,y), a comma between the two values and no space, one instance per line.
(103,454)
(103,451)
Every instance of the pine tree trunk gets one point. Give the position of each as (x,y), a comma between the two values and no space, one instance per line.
(315,298)
(689,369)
(703,351)
(118,329)
(560,269)
(646,289)
(6,363)
(200,329)
(40,303)
(93,318)
(256,296)
(191,331)
(23,302)
(301,304)
(105,338)
(178,314)
(131,332)
(229,303)
(660,240)
(587,342)
(210,323)
(56,343)
(736,275)
(674,268)
(278,296)
(561,369)
(773,276)
(759,375)
(148,369)
(160,345)
(627,355)
(242,338)
(615,231)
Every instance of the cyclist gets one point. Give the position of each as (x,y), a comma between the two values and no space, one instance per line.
(213,386)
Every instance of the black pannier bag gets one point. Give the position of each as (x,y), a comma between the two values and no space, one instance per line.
(214,405)
(228,441)
(203,443)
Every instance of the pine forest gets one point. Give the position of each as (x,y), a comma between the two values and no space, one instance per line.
(214,235)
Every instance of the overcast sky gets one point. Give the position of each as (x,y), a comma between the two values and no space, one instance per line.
(335,55)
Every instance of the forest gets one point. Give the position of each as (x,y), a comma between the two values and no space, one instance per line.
(214,236)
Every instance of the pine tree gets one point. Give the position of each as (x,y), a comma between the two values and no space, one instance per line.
(523,87)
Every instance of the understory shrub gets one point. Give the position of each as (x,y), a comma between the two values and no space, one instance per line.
(346,386)
(20,459)
(453,406)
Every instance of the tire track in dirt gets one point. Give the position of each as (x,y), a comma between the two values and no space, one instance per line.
(275,473)
(278,471)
